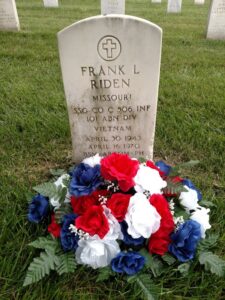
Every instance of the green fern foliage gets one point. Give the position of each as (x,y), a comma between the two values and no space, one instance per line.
(47,243)
(40,267)
(170,260)
(173,188)
(212,263)
(152,263)
(104,274)
(67,263)
(209,242)
(144,283)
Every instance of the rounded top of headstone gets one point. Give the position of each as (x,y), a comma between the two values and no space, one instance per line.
(110,18)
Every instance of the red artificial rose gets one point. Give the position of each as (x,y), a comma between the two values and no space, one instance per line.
(118,204)
(54,228)
(151,165)
(93,221)
(160,240)
(158,245)
(120,167)
(81,204)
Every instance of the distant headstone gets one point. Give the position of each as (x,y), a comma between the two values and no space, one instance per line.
(9,20)
(51,3)
(174,6)
(216,20)
(199,2)
(112,7)
(111,77)
(156,1)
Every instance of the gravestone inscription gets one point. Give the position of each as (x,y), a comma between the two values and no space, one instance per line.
(51,3)
(9,20)
(174,6)
(111,77)
(112,7)
(216,20)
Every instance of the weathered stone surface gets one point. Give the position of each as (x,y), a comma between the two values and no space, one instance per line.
(51,3)
(112,7)
(156,1)
(216,20)
(9,20)
(199,2)
(111,77)
(174,6)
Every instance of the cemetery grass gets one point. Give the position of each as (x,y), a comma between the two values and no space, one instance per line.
(35,137)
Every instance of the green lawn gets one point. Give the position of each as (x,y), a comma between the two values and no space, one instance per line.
(35,136)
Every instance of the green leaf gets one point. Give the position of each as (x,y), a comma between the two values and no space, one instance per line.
(147,256)
(189,164)
(67,263)
(47,243)
(57,172)
(176,170)
(144,283)
(212,263)
(64,209)
(62,191)
(47,189)
(141,160)
(104,274)
(180,212)
(209,242)
(40,267)
(66,181)
(29,197)
(169,259)
(50,190)
(184,268)
(152,263)
(174,187)
(207,203)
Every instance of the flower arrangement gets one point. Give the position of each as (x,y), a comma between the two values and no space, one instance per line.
(121,215)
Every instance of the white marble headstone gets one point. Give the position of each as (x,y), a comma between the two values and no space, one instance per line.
(51,3)
(156,1)
(112,7)
(174,6)
(216,20)
(199,2)
(111,78)
(8,15)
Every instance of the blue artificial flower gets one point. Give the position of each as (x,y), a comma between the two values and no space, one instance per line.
(85,180)
(185,240)
(163,167)
(128,262)
(191,185)
(68,239)
(128,239)
(38,208)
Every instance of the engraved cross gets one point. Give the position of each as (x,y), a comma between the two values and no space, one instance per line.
(109,46)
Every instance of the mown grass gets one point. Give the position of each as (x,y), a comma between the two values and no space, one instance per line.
(35,136)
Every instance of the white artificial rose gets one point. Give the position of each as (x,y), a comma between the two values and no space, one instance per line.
(142,218)
(55,202)
(201,215)
(96,252)
(189,199)
(93,160)
(148,179)
(114,232)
